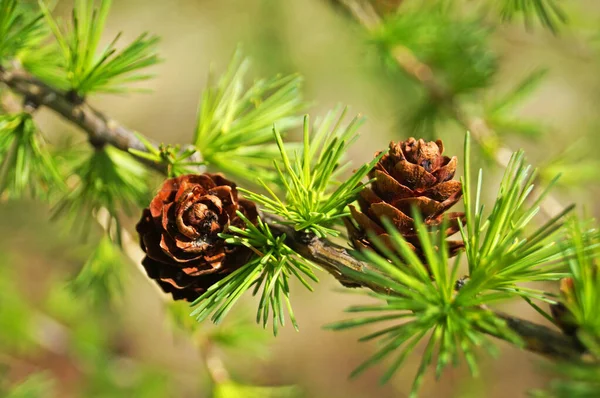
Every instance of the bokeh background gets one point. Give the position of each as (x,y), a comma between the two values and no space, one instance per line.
(339,66)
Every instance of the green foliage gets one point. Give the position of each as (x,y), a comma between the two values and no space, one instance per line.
(502,250)
(500,113)
(176,161)
(24,40)
(314,199)
(237,333)
(109,71)
(418,300)
(38,385)
(583,298)
(421,300)
(91,344)
(27,167)
(105,380)
(574,380)
(100,281)
(88,337)
(17,29)
(42,58)
(87,342)
(577,164)
(110,180)
(548,12)
(456,49)
(16,331)
(235,390)
(270,270)
(233,133)
(580,379)
(179,314)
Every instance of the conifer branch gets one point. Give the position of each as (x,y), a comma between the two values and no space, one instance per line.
(364,13)
(330,256)
(101,129)
(336,260)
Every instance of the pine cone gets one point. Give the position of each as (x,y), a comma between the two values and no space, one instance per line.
(179,233)
(412,174)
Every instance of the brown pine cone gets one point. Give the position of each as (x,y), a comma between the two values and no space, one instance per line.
(412,174)
(179,233)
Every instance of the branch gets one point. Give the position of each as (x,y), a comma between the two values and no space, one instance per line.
(543,340)
(364,13)
(335,260)
(100,128)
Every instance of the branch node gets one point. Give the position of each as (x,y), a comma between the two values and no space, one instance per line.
(96,142)
(30,104)
(73,97)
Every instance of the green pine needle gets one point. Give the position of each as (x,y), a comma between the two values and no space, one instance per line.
(44,61)
(176,160)
(435,34)
(17,29)
(502,249)
(501,112)
(577,163)
(269,274)
(101,279)
(233,132)
(572,380)
(24,40)
(27,167)
(238,333)
(314,199)
(548,12)
(422,301)
(110,180)
(582,253)
(107,71)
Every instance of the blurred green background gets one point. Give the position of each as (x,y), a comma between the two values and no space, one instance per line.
(131,348)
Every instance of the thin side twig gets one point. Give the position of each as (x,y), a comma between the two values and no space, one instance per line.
(100,128)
